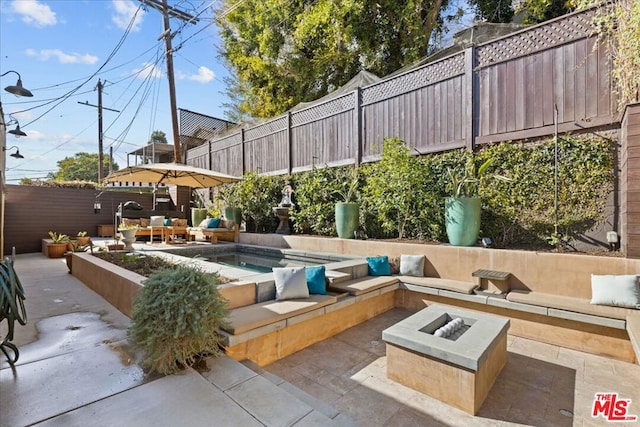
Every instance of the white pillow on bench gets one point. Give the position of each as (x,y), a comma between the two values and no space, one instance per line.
(617,291)
(412,265)
(291,282)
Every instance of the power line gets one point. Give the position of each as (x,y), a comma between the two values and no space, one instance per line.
(71,92)
(167,12)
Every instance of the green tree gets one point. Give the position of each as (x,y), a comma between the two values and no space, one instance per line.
(159,137)
(492,11)
(80,167)
(284,52)
(534,11)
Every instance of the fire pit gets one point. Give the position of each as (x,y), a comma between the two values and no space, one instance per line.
(450,354)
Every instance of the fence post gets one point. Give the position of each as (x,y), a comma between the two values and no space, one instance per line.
(242,152)
(471,98)
(357,110)
(289,143)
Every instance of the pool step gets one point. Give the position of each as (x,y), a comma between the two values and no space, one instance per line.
(337,276)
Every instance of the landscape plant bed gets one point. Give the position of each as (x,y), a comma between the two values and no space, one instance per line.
(142,264)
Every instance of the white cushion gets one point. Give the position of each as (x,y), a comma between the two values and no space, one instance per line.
(291,282)
(412,265)
(156,221)
(617,291)
(204,223)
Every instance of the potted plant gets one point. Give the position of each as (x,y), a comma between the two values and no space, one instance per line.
(347,211)
(231,198)
(58,245)
(83,238)
(128,233)
(199,210)
(462,210)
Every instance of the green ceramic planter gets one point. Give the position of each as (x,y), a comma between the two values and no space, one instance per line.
(347,219)
(233,213)
(462,219)
(197,215)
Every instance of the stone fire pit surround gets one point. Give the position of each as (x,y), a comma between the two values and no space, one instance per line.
(458,370)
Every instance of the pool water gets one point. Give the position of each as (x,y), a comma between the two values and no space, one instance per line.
(260,263)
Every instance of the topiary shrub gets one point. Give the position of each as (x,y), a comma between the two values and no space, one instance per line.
(176,317)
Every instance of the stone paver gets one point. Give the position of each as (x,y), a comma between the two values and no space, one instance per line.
(44,388)
(268,403)
(539,383)
(184,399)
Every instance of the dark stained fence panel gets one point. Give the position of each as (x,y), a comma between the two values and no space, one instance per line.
(199,157)
(524,76)
(424,107)
(324,133)
(226,155)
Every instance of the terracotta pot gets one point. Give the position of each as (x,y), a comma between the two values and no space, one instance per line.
(56,250)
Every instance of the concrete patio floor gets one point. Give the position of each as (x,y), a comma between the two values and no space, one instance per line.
(76,368)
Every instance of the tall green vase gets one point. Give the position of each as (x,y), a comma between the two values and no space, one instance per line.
(233,213)
(197,215)
(462,219)
(347,219)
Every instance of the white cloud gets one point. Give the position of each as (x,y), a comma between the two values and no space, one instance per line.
(63,58)
(148,70)
(124,12)
(204,75)
(34,12)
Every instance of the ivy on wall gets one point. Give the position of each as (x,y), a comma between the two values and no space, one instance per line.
(402,195)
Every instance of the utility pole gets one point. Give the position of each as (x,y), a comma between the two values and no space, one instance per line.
(167,12)
(100,108)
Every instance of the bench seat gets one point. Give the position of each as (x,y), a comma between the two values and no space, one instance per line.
(363,285)
(254,316)
(579,305)
(220,233)
(438,283)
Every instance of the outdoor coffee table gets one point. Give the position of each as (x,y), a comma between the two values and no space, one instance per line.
(459,369)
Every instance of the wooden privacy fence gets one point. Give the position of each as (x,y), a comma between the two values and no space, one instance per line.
(501,90)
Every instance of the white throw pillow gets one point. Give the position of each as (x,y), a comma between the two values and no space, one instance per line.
(412,265)
(204,223)
(618,291)
(291,282)
(156,221)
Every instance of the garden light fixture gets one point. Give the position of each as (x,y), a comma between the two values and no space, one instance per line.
(16,155)
(18,89)
(17,132)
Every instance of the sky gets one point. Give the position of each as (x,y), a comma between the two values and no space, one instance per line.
(62,47)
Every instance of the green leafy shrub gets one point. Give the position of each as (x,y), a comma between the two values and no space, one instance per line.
(256,195)
(316,193)
(396,193)
(175,318)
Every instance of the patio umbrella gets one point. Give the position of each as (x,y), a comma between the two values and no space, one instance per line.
(171,174)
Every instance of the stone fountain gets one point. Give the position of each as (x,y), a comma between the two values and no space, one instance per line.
(282,210)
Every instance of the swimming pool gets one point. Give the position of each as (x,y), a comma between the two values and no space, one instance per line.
(260,263)
(258,259)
